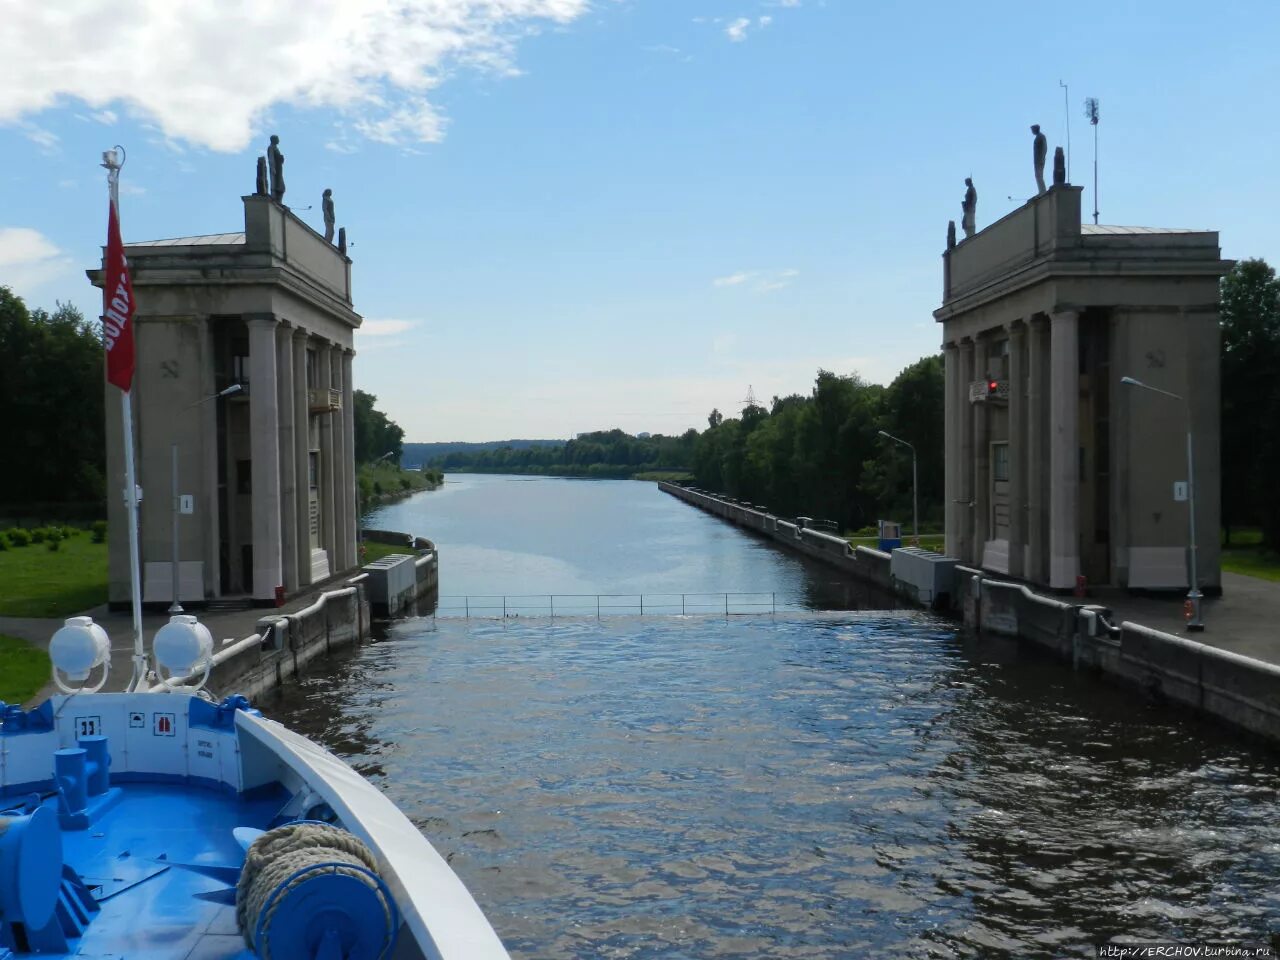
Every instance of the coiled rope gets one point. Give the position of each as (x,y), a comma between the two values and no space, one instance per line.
(279,855)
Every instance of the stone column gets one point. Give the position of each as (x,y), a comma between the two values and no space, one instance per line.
(301,457)
(328,530)
(981,489)
(1035,568)
(341,511)
(264,448)
(349,429)
(1064,449)
(951,446)
(964,464)
(1017,448)
(207,507)
(288,451)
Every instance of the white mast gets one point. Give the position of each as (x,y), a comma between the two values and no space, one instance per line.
(113,161)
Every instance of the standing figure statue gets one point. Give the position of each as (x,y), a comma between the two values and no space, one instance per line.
(275,161)
(260,188)
(951,234)
(327,206)
(1039,153)
(1059,167)
(342,241)
(969,209)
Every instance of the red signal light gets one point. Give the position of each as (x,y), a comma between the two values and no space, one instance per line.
(992,386)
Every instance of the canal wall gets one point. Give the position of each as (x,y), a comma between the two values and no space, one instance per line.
(862,563)
(1238,690)
(284,643)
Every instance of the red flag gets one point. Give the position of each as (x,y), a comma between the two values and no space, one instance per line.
(117,309)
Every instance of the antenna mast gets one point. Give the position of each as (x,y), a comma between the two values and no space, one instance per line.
(1066,115)
(1091,111)
(750,400)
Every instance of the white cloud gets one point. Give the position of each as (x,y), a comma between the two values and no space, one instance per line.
(207,76)
(385,328)
(29,259)
(762,281)
(737,29)
(45,139)
(106,117)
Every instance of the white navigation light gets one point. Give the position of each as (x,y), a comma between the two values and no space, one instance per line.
(78,648)
(182,645)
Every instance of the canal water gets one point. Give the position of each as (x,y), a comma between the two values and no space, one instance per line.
(815,783)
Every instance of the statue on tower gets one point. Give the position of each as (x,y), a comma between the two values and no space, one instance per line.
(260,187)
(1039,153)
(275,161)
(951,234)
(969,209)
(326,204)
(1059,167)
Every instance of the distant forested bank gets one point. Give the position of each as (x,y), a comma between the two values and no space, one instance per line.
(818,455)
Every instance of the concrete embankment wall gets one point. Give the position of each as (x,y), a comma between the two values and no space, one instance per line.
(1241,691)
(863,563)
(285,643)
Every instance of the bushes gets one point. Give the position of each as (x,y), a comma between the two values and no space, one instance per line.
(21,537)
(54,545)
(99,531)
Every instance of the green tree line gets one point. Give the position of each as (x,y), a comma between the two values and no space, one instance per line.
(819,455)
(51,399)
(377,436)
(1250,314)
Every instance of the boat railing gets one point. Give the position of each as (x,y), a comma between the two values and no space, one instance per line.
(599,605)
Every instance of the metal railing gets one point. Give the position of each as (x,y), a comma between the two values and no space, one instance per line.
(499,606)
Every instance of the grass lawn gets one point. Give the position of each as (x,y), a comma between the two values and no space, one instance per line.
(1246,555)
(23,670)
(929,541)
(376,551)
(38,582)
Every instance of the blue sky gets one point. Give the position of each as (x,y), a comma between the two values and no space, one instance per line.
(572,215)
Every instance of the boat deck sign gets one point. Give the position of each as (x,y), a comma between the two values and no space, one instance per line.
(163,725)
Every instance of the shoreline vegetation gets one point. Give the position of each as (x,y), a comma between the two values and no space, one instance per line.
(379,483)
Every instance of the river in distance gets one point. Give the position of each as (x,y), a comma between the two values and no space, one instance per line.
(810,783)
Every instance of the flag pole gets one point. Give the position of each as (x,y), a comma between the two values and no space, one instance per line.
(113,162)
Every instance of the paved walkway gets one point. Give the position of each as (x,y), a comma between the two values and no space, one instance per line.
(1245,619)
(224,625)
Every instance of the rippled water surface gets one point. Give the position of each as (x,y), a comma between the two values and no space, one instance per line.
(819,786)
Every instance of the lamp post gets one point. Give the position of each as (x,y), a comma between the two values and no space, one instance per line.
(176,508)
(1195,623)
(915,491)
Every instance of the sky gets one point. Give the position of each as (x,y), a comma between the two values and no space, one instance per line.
(570,215)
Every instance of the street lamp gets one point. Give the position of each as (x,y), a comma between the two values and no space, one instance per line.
(1195,624)
(176,506)
(915,500)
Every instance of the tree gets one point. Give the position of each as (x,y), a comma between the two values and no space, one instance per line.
(715,418)
(1250,318)
(376,434)
(51,392)
(912,411)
